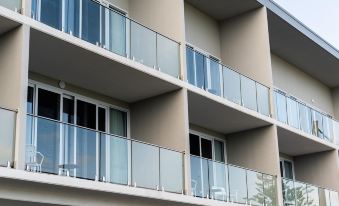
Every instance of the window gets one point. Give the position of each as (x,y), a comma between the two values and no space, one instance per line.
(207,147)
(286,169)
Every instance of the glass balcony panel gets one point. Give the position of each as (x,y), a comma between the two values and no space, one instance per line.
(305,118)
(168,56)
(334,198)
(280,107)
(7,136)
(171,170)
(317,124)
(263,99)
(213,78)
(191,77)
(231,85)
(218,181)
(113,166)
(143,45)
(199,177)
(115,32)
(270,190)
(237,184)
(255,188)
(90,21)
(312,195)
(14,5)
(248,93)
(323,198)
(34,8)
(201,68)
(288,192)
(300,194)
(72,17)
(86,151)
(145,165)
(292,112)
(69,149)
(328,128)
(336,131)
(47,143)
(51,13)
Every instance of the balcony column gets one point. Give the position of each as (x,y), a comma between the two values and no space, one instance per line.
(14,54)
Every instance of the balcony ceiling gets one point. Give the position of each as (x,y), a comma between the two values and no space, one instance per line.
(53,57)
(218,117)
(317,59)
(223,9)
(7,25)
(294,144)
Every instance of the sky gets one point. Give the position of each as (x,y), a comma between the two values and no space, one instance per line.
(322,16)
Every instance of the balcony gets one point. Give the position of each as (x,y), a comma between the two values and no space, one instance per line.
(298,115)
(14,5)
(59,148)
(219,181)
(7,137)
(215,78)
(111,30)
(299,193)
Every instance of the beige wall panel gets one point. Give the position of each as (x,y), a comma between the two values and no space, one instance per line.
(255,149)
(161,120)
(320,169)
(297,83)
(245,45)
(202,31)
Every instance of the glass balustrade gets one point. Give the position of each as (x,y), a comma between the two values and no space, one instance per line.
(297,114)
(303,194)
(65,149)
(219,181)
(14,5)
(7,136)
(209,74)
(111,30)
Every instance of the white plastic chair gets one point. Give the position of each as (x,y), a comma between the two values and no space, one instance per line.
(34,159)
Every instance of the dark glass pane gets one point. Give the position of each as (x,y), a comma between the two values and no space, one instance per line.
(288,170)
(200,70)
(206,148)
(49,104)
(194,145)
(30,101)
(51,13)
(102,120)
(281,169)
(68,111)
(91,21)
(86,114)
(219,151)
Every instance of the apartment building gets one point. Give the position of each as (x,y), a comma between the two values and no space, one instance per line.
(165,102)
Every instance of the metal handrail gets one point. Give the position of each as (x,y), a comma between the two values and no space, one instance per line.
(104,133)
(308,184)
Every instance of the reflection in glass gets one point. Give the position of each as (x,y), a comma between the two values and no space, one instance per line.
(199,177)
(312,195)
(218,181)
(305,118)
(255,188)
(190,66)
(248,93)
(72,17)
(270,190)
(116,32)
(328,128)
(118,159)
(213,84)
(200,70)
(231,85)
(300,194)
(14,5)
(317,124)
(237,184)
(288,192)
